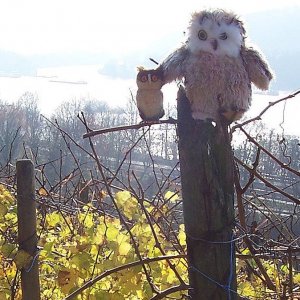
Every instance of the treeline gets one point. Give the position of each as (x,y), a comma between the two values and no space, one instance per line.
(273,155)
(55,143)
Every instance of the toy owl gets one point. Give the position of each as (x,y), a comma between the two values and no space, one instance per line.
(149,97)
(217,67)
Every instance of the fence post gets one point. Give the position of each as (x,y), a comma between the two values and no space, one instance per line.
(27,235)
(206,167)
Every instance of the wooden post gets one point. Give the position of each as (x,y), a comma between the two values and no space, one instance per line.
(27,236)
(206,165)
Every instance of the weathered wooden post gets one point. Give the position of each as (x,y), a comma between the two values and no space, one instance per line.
(27,235)
(206,166)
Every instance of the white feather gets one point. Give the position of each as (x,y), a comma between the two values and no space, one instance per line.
(217,67)
(230,46)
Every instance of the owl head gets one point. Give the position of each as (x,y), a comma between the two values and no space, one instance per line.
(149,79)
(217,32)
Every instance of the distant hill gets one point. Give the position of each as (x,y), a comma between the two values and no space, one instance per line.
(276,32)
(14,64)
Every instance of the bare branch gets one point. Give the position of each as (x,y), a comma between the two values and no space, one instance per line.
(144,261)
(267,183)
(281,164)
(271,104)
(126,127)
(171,290)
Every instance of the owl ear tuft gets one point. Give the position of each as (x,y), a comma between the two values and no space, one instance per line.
(204,16)
(240,24)
(140,68)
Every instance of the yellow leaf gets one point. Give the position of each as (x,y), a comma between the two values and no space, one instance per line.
(296,278)
(130,208)
(246,251)
(82,260)
(171,277)
(11,217)
(103,295)
(8,249)
(66,279)
(22,259)
(5,196)
(182,237)
(122,197)
(53,219)
(284,269)
(42,192)
(3,210)
(246,289)
(3,295)
(112,233)
(88,221)
(82,245)
(124,248)
(98,239)
(170,196)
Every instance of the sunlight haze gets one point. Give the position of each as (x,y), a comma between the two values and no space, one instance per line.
(34,27)
(63,50)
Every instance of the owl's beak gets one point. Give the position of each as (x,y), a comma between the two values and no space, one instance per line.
(214,44)
(149,78)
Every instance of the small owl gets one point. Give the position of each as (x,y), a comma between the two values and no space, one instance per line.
(216,66)
(149,97)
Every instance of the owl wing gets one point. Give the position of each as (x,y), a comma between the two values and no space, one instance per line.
(173,65)
(257,68)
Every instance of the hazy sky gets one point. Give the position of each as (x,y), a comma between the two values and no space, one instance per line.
(42,26)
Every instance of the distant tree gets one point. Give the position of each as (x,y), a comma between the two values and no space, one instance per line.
(32,124)
(12,132)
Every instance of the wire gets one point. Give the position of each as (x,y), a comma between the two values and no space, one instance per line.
(230,278)
(225,287)
(33,261)
(231,268)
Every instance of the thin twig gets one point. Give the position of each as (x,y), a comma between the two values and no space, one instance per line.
(121,217)
(171,290)
(266,182)
(241,209)
(126,127)
(143,261)
(258,117)
(282,165)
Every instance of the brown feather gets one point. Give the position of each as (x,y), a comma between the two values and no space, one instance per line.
(257,68)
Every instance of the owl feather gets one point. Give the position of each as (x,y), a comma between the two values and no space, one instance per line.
(216,66)
(173,66)
(257,68)
(149,97)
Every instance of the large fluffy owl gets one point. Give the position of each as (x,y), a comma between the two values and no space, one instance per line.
(217,66)
(149,97)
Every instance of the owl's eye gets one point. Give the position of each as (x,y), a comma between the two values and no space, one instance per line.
(202,35)
(223,36)
(144,78)
(154,78)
